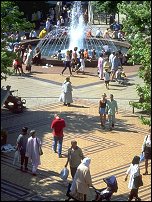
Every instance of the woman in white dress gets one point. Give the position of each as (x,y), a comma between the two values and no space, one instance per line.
(82,181)
(66,95)
(134,171)
(32,151)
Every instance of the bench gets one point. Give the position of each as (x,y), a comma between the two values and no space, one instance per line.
(141,100)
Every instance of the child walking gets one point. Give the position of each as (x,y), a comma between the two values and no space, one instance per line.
(106,78)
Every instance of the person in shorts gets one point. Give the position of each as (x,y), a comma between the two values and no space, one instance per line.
(106,76)
(102,110)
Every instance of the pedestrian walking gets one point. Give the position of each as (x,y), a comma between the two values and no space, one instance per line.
(66,95)
(82,181)
(67,63)
(106,76)
(112,108)
(58,124)
(75,155)
(102,110)
(134,171)
(74,60)
(32,151)
(82,63)
(146,149)
(21,147)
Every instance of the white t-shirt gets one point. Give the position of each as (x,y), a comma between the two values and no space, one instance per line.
(147,142)
(48,24)
(110,58)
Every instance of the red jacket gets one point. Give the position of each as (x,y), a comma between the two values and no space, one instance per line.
(58,125)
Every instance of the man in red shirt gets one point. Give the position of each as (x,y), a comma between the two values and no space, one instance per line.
(57,125)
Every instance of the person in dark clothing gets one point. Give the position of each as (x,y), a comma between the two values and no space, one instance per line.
(37,57)
(21,146)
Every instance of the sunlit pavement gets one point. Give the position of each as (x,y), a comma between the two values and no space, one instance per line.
(111,151)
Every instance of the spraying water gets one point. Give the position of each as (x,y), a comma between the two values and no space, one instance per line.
(77,27)
(75,36)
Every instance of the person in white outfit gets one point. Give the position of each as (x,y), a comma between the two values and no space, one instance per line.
(100,66)
(111,56)
(32,151)
(48,25)
(82,180)
(66,95)
(134,171)
(82,61)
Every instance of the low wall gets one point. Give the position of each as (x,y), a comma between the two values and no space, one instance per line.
(116,42)
(55,62)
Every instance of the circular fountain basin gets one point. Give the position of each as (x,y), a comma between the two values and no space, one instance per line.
(121,45)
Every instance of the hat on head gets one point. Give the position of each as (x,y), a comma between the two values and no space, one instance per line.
(32,132)
(86,161)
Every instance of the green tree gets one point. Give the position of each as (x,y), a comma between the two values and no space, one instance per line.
(109,7)
(11,20)
(137,26)
(29,7)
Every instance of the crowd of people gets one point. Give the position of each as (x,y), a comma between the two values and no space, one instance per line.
(113,32)
(110,68)
(25,55)
(28,145)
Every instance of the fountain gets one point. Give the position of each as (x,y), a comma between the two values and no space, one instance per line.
(66,38)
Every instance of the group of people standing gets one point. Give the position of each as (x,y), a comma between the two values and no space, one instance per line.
(28,146)
(25,56)
(110,67)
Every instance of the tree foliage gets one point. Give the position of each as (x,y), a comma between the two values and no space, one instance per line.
(29,7)
(109,7)
(11,20)
(137,26)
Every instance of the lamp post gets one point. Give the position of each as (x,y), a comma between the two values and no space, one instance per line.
(90,12)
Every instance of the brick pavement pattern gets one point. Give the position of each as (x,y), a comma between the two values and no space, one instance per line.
(111,151)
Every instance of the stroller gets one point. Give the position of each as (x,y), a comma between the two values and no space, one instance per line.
(102,194)
(106,193)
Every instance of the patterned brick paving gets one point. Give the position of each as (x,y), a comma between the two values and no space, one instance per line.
(111,152)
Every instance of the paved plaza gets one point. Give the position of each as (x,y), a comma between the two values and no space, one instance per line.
(111,152)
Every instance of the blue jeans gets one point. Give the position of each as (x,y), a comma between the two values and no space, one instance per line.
(57,140)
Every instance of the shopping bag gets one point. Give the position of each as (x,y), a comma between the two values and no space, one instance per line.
(16,157)
(138,181)
(64,174)
(142,157)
